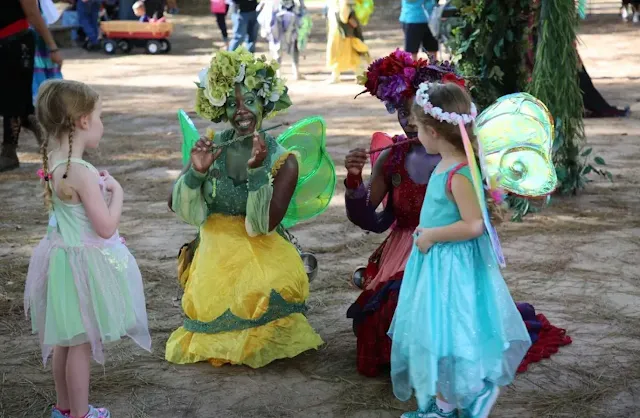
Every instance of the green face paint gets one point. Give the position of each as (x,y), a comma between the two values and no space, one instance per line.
(244,110)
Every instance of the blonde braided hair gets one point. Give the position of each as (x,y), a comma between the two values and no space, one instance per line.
(59,105)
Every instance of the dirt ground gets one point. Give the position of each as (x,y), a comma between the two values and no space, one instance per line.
(577,261)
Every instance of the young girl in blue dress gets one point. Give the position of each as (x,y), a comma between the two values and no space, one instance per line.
(457,334)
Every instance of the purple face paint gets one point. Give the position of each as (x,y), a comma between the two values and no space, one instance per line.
(404,118)
(420,164)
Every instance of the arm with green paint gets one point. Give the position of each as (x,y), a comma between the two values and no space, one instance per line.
(269,196)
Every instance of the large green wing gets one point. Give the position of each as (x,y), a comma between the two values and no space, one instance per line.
(316,173)
(189,135)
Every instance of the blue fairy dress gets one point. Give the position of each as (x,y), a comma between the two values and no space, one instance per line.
(456,325)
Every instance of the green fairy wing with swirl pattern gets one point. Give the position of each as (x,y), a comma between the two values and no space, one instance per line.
(306,139)
(516,135)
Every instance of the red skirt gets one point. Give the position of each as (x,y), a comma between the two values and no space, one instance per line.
(373,312)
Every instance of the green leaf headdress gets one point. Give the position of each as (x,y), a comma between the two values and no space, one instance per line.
(227,68)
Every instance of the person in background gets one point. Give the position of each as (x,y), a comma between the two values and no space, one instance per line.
(414,17)
(17,51)
(221,18)
(346,50)
(140,11)
(88,16)
(172,7)
(245,24)
(43,69)
(155,8)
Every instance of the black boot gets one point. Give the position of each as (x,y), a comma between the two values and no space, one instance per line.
(8,155)
(8,158)
(31,123)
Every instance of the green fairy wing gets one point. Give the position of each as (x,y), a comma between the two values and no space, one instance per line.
(189,135)
(363,10)
(316,173)
(516,136)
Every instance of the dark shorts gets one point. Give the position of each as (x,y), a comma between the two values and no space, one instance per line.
(16,74)
(416,35)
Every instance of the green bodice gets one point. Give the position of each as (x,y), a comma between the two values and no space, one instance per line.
(221,194)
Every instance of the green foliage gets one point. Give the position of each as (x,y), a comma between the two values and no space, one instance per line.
(520,207)
(555,82)
(489,46)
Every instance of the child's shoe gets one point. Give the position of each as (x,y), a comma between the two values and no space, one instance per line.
(481,406)
(98,413)
(56,413)
(432,411)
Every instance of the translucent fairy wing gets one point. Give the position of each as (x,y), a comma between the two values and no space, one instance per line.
(476,177)
(363,10)
(516,135)
(316,173)
(189,135)
(379,140)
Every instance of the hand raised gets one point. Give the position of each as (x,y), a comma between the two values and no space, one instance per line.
(202,156)
(258,153)
(354,161)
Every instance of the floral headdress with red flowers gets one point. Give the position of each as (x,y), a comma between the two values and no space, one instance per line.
(395,78)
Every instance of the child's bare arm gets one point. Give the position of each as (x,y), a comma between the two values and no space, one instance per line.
(104,219)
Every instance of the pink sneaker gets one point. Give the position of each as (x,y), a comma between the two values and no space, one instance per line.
(98,413)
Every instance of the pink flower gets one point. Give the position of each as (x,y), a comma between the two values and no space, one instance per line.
(40,173)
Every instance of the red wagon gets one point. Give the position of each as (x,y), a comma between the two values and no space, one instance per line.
(124,35)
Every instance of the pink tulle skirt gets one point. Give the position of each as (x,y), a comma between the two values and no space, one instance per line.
(90,293)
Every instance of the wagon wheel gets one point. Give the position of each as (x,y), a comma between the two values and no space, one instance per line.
(165,46)
(109,46)
(125,46)
(154,47)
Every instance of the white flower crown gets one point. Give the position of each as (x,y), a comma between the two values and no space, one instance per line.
(422,99)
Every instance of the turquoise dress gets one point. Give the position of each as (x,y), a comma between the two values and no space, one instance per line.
(456,325)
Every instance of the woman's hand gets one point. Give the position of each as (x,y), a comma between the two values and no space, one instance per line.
(258,153)
(423,240)
(56,57)
(201,155)
(354,161)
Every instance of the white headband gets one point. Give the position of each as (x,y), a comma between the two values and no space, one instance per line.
(422,99)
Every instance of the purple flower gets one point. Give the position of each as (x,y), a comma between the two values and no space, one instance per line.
(391,89)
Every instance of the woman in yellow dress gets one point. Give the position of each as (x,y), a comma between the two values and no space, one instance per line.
(346,50)
(245,286)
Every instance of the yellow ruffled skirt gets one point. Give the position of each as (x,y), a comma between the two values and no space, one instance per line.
(243,297)
(345,53)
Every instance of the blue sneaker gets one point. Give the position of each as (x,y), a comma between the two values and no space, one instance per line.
(56,413)
(482,404)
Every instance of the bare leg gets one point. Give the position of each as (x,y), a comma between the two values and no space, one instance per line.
(77,377)
(59,367)
(295,64)
(414,56)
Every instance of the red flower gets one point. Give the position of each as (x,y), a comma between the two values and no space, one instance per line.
(452,78)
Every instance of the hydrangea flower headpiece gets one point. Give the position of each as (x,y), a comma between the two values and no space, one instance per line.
(228,68)
(395,78)
(422,100)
